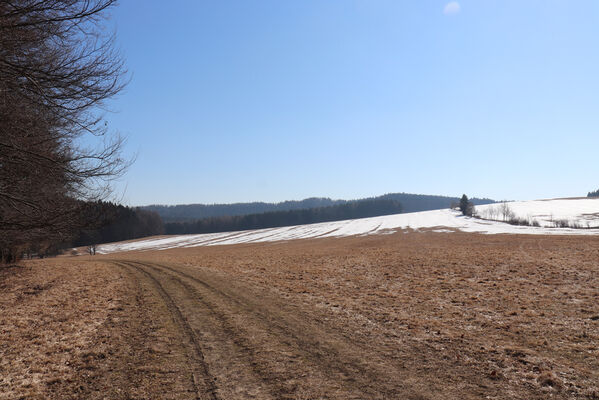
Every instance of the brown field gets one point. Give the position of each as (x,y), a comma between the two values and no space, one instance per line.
(403,316)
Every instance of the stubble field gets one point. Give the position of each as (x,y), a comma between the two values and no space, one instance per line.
(402,316)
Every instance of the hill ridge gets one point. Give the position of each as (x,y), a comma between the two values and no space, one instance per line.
(190,212)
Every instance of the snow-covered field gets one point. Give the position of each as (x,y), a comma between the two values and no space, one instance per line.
(583,212)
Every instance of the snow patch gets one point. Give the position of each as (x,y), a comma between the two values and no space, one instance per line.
(583,212)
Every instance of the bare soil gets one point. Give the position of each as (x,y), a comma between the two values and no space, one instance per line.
(402,316)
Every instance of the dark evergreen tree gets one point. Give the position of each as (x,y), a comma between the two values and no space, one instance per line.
(464,204)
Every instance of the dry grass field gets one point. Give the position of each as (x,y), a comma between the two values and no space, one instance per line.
(402,316)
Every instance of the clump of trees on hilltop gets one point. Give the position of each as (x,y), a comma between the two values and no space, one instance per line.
(57,68)
(593,194)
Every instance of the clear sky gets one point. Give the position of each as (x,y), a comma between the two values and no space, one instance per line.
(236,101)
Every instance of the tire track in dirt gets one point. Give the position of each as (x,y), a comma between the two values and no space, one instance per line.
(333,364)
(231,362)
(202,381)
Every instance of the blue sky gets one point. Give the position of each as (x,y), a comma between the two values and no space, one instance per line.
(235,101)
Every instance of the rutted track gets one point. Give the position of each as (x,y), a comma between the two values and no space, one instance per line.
(413,316)
(248,348)
(202,382)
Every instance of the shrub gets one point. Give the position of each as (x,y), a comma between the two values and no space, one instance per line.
(519,221)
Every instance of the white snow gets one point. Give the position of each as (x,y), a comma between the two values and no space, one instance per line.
(582,211)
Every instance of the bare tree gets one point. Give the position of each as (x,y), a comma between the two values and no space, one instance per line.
(57,69)
(490,212)
(506,212)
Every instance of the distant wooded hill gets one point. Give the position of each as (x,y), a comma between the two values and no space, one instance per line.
(116,222)
(347,210)
(193,212)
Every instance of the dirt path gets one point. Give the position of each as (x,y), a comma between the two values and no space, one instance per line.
(415,316)
(245,346)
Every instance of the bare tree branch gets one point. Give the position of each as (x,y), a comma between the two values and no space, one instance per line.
(57,69)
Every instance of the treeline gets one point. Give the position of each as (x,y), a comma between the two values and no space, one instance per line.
(58,67)
(192,212)
(593,194)
(348,210)
(421,202)
(115,222)
(98,222)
